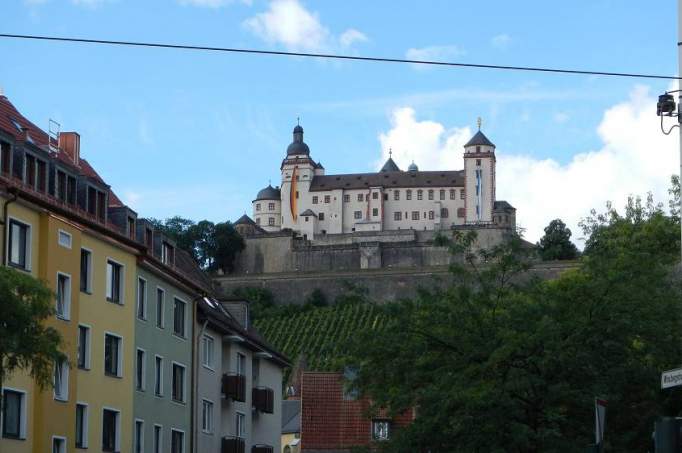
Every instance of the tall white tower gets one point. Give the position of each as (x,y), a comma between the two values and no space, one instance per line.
(298,170)
(479,178)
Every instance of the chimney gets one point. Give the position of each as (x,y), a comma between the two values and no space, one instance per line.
(70,143)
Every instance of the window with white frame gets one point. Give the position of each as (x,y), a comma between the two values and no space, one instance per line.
(271,206)
(207,416)
(357,215)
(139,436)
(13,414)
(111,430)
(240,427)
(271,221)
(241,364)
(63,310)
(160,300)
(360,197)
(19,248)
(346,198)
(178,383)
(167,254)
(179,309)
(158,438)
(408,194)
(430,194)
(208,351)
(141,298)
(61,380)
(415,215)
(58,444)
(398,215)
(114,282)
(442,194)
(177,441)
(315,199)
(396,195)
(83,347)
(86,271)
(453,194)
(140,369)
(158,375)
(81,425)
(64,239)
(420,194)
(112,355)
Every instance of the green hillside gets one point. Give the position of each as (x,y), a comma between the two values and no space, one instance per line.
(319,333)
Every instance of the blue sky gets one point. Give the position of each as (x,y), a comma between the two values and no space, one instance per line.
(198,134)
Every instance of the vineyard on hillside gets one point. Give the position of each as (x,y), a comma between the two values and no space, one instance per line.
(318,333)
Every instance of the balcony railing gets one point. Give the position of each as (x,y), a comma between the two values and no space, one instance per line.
(261,449)
(233,445)
(263,399)
(234,386)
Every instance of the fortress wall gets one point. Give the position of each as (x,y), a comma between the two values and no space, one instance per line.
(382,284)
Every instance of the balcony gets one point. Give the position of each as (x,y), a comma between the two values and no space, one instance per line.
(233,445)
(261,449)
(263,399)
(234,386)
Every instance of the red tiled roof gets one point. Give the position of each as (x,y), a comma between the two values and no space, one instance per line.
(9,114)
(331,422)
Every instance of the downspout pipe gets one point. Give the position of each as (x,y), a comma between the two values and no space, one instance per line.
(195,378)
(5,208)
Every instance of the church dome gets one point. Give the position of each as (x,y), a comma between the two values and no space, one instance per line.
(298,146)
(413,167)
(269,193)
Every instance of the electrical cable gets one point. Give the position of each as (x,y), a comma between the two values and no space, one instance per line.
(340,57)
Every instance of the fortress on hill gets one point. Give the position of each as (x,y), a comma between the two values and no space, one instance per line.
(316,230)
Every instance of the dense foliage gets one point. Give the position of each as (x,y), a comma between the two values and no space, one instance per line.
(556,243)
(213,246)
(500,362)
(26,342)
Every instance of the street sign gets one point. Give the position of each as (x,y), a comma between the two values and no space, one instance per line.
(671,378)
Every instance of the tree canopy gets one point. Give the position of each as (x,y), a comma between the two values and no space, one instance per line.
(556,243)
(26,342)
(503,362)
(213,246)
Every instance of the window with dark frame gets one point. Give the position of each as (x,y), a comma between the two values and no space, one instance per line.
(81,424)
(86,270)
(112,355)
(109,430)
(42,176)
(160,299)
(139,370)
(83,346)
(141,298)
(320,216)
(158,376)
(177,441)
(18,244)
(178,376)
(179,317)
(5,158)
(114,282)
(139,436)
(315,199)
(12,414)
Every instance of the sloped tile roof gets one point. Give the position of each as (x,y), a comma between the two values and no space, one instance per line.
(389,179)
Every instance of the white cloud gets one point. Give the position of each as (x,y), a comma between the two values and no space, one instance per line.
(501,41)
(634,158)
(427,143)
(433,53)
(289,23)
(351,36)
(211,3)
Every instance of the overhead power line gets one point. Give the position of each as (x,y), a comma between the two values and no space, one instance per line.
(341,57)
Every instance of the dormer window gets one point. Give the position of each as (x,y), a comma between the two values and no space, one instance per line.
(30,174)
(131,228)
(61,185)
(167,254)
(5,157)
(148,237)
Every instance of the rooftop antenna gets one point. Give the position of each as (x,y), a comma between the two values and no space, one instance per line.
(298,120)
(479,121)
(53,136)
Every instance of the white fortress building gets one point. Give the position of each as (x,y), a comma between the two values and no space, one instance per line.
(313,203)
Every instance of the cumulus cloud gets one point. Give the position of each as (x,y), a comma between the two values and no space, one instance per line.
(500,41)
(634,158)
(289,23)
(351,36)
(427,143)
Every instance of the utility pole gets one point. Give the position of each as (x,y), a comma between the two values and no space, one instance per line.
(679,98)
